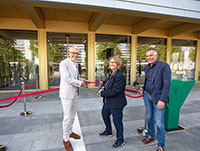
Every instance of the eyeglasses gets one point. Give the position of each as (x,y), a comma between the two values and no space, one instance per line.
(75,53)
(112,62)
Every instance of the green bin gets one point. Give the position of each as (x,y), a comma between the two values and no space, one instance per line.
(178,93)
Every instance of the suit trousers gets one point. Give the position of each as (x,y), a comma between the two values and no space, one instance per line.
(117,115)
(69,109)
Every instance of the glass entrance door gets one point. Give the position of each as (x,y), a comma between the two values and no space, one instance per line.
(58,48)
(108,45)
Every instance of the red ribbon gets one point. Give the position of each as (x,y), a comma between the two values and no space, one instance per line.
(128,90)
(95,82)
(31,84)
(3,106)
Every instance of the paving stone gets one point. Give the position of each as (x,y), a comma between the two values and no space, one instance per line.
(42,131)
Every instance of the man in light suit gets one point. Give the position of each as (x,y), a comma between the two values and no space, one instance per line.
(69,85)
(156,94)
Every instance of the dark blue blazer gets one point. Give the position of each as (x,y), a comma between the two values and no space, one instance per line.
(114,91)
(161,81)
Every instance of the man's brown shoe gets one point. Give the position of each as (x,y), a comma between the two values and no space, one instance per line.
(160,148)
(74,135)
(148,139)
(68,146)
(2,148)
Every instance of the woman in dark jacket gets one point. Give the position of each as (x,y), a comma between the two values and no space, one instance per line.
(114,101)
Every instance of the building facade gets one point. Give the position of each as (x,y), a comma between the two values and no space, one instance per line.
(128,27)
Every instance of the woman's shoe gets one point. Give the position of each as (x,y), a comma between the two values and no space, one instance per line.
(104,133)
(118,144)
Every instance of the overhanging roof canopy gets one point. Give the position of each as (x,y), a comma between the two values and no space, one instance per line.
(96,16)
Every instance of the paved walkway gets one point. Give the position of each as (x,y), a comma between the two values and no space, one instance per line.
(42,131)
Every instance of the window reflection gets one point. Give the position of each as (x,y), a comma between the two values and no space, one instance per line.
(144,43)
(58,43)
(183,59)
(106,46)
(199,70)
(17,59)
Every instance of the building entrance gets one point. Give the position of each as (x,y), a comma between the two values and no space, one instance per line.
(58,48)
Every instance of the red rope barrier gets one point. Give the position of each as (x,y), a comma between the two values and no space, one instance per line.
(31,84)
(132,91)
(29,94)
(133,96)
(46,91)
(3,106)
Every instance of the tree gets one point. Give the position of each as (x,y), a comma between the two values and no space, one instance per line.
(177,54)
(141,52)
(161,50)
(56,51)
(9,52)
(101,53)
(192,54)
(34,47)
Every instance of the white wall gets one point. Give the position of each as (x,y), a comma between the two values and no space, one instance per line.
(180,8)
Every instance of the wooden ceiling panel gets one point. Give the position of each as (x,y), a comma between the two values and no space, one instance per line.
(169,25)
(61,38)
(49,13)
(21,12)
(117,19)
(61,14)
(183,29)
(10,11)
(74,15)
(85,16)
(66,15)
(2,12)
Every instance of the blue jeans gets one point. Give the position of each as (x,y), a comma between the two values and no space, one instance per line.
(155,115)
(117,115)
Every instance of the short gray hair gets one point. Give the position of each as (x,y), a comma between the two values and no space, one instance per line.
(70,49)
(155,52)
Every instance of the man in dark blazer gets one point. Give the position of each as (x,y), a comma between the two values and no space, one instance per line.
(156,94)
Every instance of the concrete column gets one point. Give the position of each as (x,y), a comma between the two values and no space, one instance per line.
(133,58)
(169,51)
(196,74)
(43,59)
(90,57)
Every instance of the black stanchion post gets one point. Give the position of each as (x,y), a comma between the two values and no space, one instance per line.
(37,87)
(143,130)
(25,113)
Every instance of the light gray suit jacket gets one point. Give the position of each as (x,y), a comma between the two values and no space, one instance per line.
(69,82)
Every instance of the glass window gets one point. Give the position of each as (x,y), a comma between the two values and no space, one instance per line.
(108,45)
(143,44)
(183,59)
(17,59)
(199,69)
(57,45)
